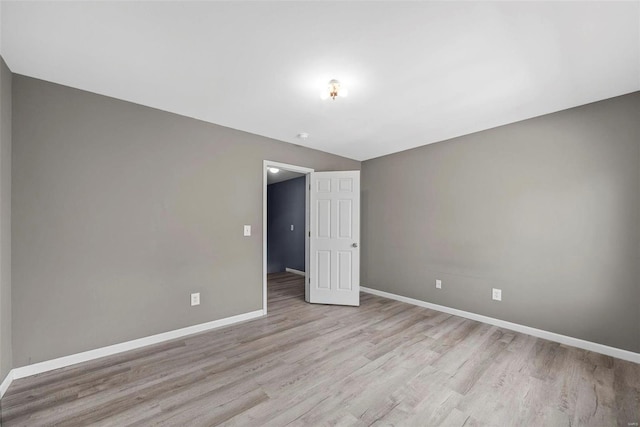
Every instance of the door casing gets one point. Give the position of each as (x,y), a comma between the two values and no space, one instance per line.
(292,168)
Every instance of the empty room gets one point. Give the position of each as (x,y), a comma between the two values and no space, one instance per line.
(313,213)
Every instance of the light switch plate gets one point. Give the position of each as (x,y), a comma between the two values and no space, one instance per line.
(247,230)
(438,284)
(195,298)
(496,294)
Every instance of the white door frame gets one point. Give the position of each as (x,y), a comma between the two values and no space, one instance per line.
(292,168)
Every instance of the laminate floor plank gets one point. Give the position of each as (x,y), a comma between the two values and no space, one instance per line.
(383,363)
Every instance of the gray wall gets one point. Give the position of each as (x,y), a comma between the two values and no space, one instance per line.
(5,220)
(286,207)
(121,211)
(547,209)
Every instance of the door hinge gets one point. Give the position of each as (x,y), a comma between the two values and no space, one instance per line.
(309,234)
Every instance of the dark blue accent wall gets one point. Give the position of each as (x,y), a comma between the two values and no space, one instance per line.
(285,206)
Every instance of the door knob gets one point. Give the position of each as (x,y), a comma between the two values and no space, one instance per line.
(355,245)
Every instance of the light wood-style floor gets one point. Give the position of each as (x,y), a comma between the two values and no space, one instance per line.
(384,363)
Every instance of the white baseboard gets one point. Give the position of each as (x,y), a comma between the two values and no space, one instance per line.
(294,271)
(551,336)
(61,362)
(6,383)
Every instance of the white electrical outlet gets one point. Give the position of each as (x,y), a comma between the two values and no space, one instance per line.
(496,294)
(438,284)
(291,227)
(195,299)
(247,230)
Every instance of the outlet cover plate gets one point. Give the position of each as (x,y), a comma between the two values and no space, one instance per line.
(496,294)
(438,284)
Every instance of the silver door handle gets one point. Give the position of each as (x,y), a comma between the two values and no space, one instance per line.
(355,245)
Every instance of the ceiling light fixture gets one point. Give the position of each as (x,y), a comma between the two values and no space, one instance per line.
(274,170)
(334,88)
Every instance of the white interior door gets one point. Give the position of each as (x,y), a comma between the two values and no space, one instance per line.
(334,273)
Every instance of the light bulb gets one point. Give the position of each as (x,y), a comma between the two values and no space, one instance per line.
(274,170)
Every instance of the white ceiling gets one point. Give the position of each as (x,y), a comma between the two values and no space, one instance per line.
(282,175)
(418,72)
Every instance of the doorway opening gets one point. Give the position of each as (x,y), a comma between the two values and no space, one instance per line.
(284,253)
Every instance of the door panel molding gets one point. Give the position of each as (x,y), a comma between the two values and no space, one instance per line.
(334,269)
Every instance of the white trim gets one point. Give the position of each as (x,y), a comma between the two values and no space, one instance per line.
(292,168)
(6,383)
(61,362)
(307,234)
(294,271)
(551,336)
